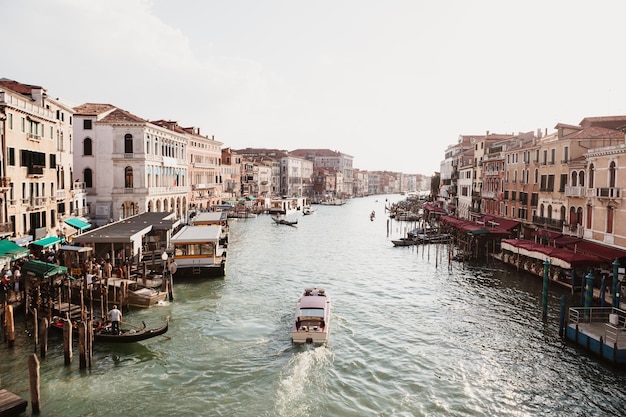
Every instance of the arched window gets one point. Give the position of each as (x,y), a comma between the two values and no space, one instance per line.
(550,211)
(87,147)
(563,213)
(572,216)
(589,214)
(536,175)
(612,175)
(591,169)
(128,143)
(88,175)
(128,177)
(609,219)
(580,215)
(581,178)
(541,211)
(574,179)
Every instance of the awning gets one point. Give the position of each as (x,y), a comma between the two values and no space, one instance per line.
(43,269)
(499,222)
(80,249)
(77,223)
(47,242)
(12,250)
(603,253)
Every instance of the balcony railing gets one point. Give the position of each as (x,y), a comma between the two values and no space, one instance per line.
(488,194)
(545,221)
(607,192)
(574,191)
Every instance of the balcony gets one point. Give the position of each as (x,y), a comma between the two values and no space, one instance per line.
(575,191)
(33,137)
(607,192)
(6,228)
(488,194)
(545,221)
(61,195)
(5,183)
(35,170)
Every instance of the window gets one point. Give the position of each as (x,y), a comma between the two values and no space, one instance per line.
(563,182)
(88,174)
(581,178)
(10,121)
(551,182)
(552,156)
(87,147)
(609,219)
(87,124)
(565,154)
(128,177)
(574,179)
(591,169)
(53,161)
(612,175)
(589,212)
(128,143)
(11,156)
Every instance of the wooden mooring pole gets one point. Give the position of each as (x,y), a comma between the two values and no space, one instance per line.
(43,337)
(34,377)
(67,341)
(10,324)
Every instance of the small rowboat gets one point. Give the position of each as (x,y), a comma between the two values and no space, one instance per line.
(106,334)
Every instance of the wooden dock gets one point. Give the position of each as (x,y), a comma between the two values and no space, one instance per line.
(11,404)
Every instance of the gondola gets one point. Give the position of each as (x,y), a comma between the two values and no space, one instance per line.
(106,335)
(283,221)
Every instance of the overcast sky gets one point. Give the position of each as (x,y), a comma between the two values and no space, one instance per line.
(390,82)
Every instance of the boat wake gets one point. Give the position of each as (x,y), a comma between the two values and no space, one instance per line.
(301,382)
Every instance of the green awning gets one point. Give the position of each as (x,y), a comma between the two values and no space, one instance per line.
(43,269)
(77,223)
(12,250)
(47,241)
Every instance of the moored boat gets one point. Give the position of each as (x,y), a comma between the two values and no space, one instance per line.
(105,334)
(198,253)
(405,241)
(312,321)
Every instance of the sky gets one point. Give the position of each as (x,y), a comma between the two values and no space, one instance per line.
(392,83)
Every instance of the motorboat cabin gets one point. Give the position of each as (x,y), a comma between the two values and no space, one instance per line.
(311,324)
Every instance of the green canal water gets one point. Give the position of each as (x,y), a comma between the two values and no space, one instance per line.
(409,337)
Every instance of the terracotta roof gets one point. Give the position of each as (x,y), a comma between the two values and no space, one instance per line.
(314,152)
(610,122)
(169,124)
(119,115)
(92,109)
(24,89)
(595,133)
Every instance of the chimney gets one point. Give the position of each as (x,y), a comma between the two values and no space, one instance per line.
(38,94)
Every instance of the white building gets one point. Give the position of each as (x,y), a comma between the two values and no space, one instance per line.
(129,165)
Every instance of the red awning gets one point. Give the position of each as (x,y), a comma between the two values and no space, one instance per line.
(499,222)
(605,253)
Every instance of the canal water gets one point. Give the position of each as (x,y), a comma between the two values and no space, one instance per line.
(410,336)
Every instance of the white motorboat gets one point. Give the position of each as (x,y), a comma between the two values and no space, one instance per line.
(312,321)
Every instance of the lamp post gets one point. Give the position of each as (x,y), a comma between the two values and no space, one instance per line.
(164,258)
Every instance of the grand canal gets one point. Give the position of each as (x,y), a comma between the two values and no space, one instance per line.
(410,337)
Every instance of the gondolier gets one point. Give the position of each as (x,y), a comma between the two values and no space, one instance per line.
(116,317)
